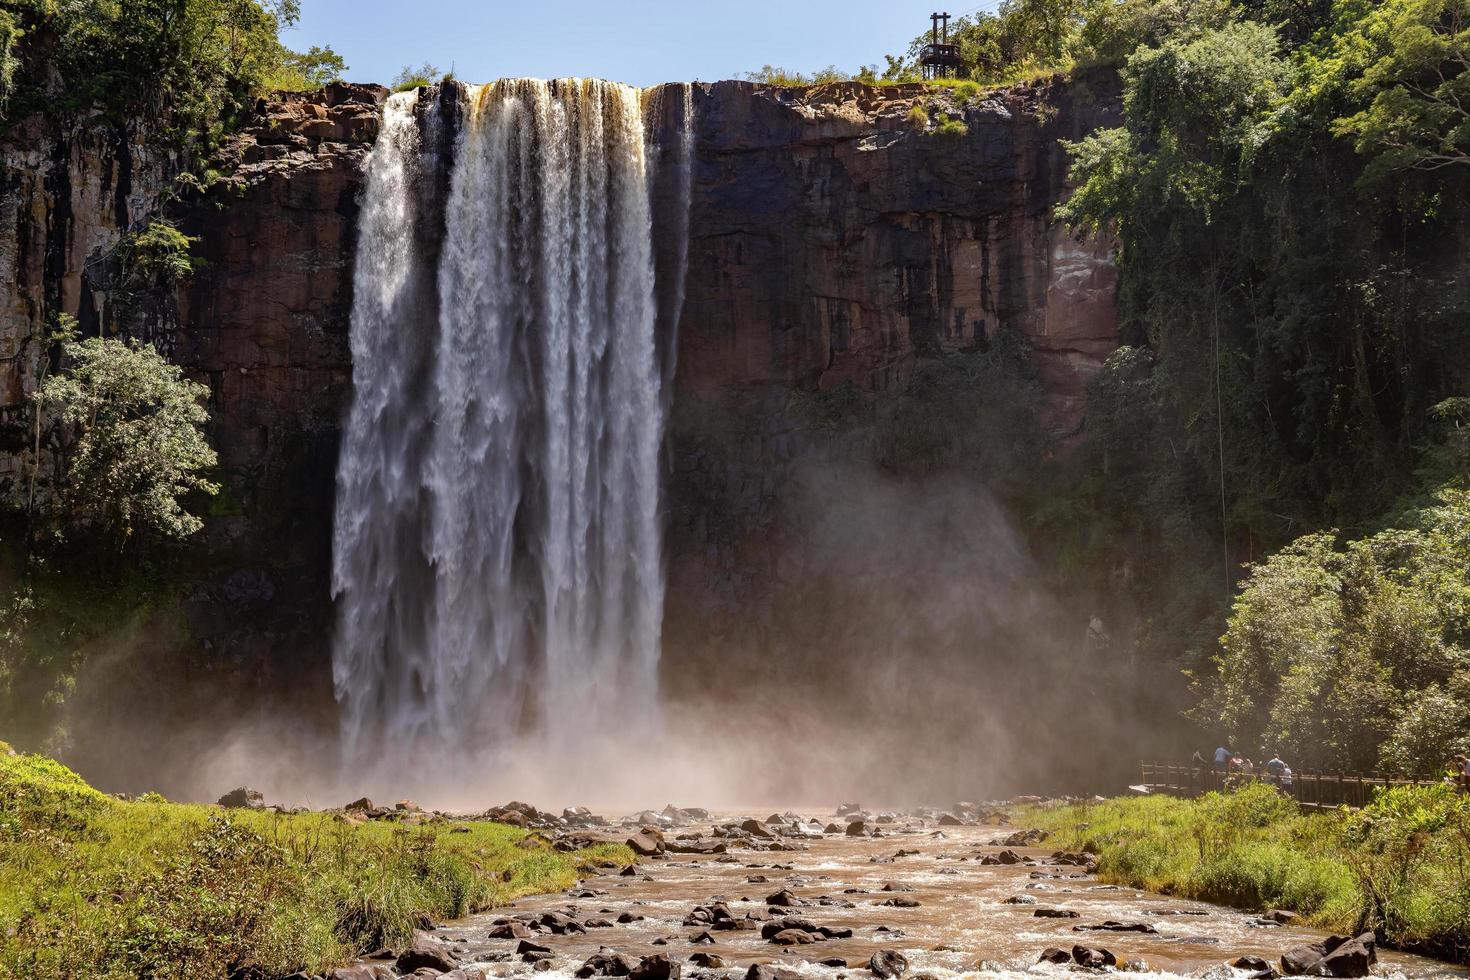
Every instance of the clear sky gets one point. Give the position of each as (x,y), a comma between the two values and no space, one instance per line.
(641,42)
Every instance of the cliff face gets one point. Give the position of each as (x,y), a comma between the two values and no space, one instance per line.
(832,247)
(829,243)
(833,243)
(66,199)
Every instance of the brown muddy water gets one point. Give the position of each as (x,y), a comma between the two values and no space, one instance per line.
(962,926)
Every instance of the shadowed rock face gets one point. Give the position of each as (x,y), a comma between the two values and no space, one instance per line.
(832,243)
(829,244)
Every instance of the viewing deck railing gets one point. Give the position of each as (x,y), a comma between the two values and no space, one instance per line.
(1311,789)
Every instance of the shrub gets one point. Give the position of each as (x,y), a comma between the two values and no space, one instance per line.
(952,127)
(409,77)
(918,118)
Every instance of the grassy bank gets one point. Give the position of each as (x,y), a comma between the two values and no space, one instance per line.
(93,886)
(1400,866)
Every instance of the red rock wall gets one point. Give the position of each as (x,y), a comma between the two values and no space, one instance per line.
(833,243)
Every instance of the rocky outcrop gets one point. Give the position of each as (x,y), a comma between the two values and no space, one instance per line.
(67,196)
(832,241)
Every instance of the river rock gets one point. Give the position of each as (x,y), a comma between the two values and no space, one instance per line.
(889,964)
(526,946)
(857,829)
(900,902)
(1054,955)
(784,897)
(1094,958)
(606,962)
(795,937)
(701,846)
(424,953)
(758,828)
(647,842)
(243,798)
(1054,914)
(708,961)
(1335,956)
(1254,964)
(765,971)
(788,923)
(1112,926)
(656,967)
(950,820)
(510,930)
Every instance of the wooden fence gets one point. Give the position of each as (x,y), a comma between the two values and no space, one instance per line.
(1310,789)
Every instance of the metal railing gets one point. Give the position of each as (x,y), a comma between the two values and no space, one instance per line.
(1311,789)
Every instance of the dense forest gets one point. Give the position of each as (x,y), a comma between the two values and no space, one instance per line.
(1288,196)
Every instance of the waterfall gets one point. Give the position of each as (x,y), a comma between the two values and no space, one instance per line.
(497,562)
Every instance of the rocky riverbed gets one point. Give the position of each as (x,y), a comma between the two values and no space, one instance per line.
(921,896)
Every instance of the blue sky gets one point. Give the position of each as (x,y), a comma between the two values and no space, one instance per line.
(641,42)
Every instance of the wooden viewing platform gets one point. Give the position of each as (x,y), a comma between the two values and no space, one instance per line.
(1313,790)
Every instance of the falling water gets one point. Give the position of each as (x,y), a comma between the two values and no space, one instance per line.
(497,555)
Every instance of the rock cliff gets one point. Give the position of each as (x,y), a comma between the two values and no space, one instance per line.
(835,245)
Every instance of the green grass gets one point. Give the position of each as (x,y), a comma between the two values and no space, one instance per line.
(93,886)
(1400,866)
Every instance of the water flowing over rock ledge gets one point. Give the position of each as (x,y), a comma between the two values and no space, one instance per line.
(827,244)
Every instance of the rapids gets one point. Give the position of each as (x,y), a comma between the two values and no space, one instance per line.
(963,925)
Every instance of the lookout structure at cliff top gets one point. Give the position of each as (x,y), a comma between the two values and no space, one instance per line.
(940,59)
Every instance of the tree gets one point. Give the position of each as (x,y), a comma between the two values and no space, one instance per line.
(131,442)
(1414,62)
(1354,655)
(311,69)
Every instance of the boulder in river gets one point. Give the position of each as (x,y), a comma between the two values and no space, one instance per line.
(1053,955)
(1112,926)
(425,954)
(765,971)
(1335,956)
(647,842)
(1054,914)
(857,829)
(510,930)
(889,964)
(606,962)
(758,828)
(785,897)
(656,967)
(1094,958)
(708,961)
